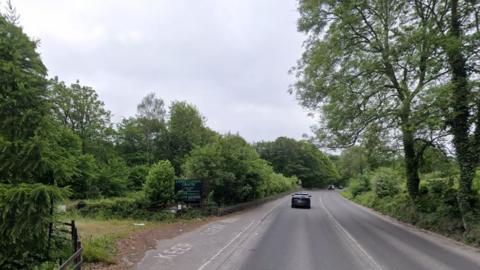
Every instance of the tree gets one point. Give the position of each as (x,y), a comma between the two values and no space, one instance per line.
(233,172)
(151,120)
(160,185)
(82,182)
(353,161)
(186,129)
(112,179)
(373,63)
(79,108)
(23,104)
(151,108)
(11,13)
(131,142)
(33,149)
(300,159)
(30,142)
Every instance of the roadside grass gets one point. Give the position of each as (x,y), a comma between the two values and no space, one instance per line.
(99,237)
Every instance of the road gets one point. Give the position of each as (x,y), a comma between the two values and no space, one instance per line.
(335,234)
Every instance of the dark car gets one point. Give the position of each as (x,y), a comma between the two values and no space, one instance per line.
(331,187)
(301,199)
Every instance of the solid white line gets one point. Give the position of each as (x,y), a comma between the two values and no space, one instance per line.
(349,236)
(237,236)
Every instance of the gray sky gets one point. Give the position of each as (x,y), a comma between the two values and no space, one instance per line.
(230,58)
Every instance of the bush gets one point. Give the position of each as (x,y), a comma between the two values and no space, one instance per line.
(121,208)
(359,185)
(160,184)
(385,182)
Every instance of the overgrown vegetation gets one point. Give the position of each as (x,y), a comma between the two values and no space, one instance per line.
(436,208)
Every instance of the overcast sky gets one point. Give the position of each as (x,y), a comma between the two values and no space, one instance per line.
(230,58)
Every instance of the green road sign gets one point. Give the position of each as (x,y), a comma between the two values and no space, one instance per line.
(191,190)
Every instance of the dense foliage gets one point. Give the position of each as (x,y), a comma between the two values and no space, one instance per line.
(436,209)
(301,159)
(34,149)
(25,217)
(232,171)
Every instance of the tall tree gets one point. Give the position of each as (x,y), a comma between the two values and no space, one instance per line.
(32,150)
(30,143)
(151,107)
(373,63)
(130,142)
(151,120)
(79,108)
(186,129)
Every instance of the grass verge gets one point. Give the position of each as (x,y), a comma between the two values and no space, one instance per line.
(99,236)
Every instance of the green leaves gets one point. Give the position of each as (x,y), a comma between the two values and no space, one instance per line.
(232,169)
(23,105)
(24,220)
(374,64)
(159,187)
(300,159)
(186,128)
(79,108)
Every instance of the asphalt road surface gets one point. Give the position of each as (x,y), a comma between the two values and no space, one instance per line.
(335,234)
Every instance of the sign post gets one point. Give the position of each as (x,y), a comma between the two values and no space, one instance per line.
(191,190)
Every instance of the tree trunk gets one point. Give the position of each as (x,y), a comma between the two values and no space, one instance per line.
(410,156)
(459,121)
(411,164)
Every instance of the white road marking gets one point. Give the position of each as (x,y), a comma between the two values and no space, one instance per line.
(373,263)
(174,251)
(226,246)
(161,256)
(213,229)
(237,236)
